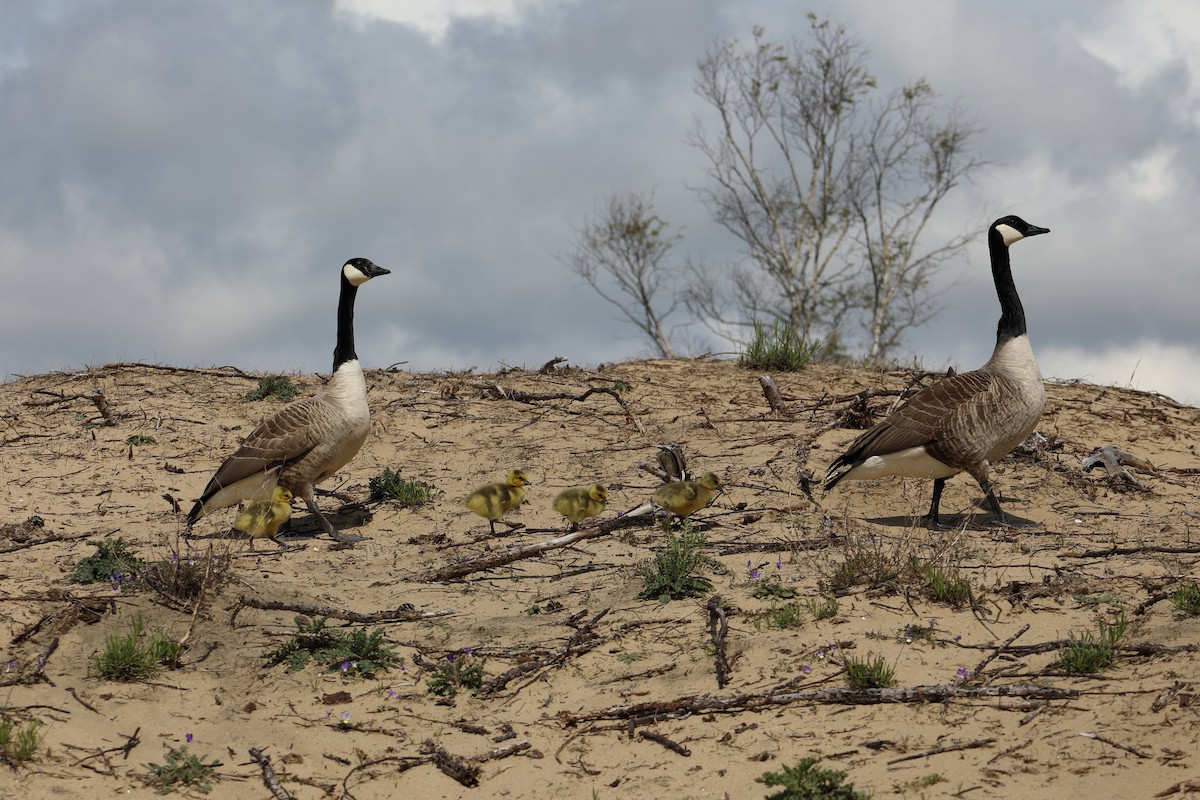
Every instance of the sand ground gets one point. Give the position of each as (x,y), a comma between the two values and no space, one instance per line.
(1101,546)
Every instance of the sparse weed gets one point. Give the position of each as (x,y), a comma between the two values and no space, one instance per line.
(356,652)
(807,781)
(1097,600)
(1187,599)
(139,439)
(670,575)
(182,770)
(1092,653)
(916,784)
(17,744)
(113,562)
(781,349)
(772,589)
(629,658)
(945,586)
(622,386)
(457,672)
(278,386)
(822,608)
(780,617)
(872,672)
(187,579)
(388,485)
(135,655)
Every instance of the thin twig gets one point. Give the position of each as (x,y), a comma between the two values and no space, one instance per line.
(718,627)
(992,655)
(268,774)
(950,748)
(1099,738)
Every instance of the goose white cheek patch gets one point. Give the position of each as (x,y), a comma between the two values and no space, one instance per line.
(354,275)
(1010,234)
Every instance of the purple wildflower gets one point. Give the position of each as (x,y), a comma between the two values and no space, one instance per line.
(187,738)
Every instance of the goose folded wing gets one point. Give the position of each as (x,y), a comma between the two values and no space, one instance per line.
(286,436)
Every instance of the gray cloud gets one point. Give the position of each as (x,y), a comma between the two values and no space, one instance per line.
(182,180)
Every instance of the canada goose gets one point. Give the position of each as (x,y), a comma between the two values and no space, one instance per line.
(967,421)
(261,519)
(684,498)
(304,442)
(493,500)
(581,503)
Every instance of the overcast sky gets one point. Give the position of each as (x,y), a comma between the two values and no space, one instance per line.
(181,181)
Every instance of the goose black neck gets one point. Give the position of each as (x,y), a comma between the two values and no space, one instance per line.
(345,325)
(1012,313)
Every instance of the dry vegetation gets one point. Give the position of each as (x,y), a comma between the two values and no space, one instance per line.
(542,675)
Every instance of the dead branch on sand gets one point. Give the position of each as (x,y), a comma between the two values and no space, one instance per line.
(718,627)
(949,748)
(495,391)
(405,613)
(701,704)
(499,559)
(268,774)
(583,640)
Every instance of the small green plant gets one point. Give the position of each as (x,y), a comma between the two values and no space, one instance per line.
(388,485)
(1092,653)
(772,589)
(460,671)
(356,652)
(916,784)
(822,608)
(780,617)
(135,655)
(671,574)
(278,386)
(622,386)
(629,658)
(781,349)
(807,781)
(139,439)
(183,769)
(1187,599)
(17,744)
(945,586)
(188,578)
(872,672)
(112,562)
(916,633)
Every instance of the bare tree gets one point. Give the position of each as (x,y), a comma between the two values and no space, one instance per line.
(827,191)
(620,252)
(909,157)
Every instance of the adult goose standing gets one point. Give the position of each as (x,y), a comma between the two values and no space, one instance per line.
(304,442)
(966,422)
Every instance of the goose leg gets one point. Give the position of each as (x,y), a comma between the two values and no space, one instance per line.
(327,526)
(932,517)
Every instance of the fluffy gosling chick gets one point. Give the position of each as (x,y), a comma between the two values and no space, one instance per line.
(684,498)
(262,518)
(581,502)
(493,500)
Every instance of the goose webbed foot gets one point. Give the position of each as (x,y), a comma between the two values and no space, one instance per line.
(999,517)
(327,526)
(932,520)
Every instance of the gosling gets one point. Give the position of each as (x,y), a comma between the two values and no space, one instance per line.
(263,518)
(493,500)
(581,503)
(684,498)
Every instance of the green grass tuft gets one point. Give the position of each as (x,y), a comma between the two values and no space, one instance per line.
(807,781)
(1187,599)
(778,350)
(17,744)
(459,672)
(135,655)
(388,485)
(139,439)
(671,574)
(277,386)
(1092,653)
(872,672)
(823,608)
(780,617)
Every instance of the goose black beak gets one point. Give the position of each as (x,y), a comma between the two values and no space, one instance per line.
(374,271)
(1034,230)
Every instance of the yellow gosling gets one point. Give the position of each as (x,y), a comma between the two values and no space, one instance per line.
(581,503)
(263,518)
(684,498)
(493,500)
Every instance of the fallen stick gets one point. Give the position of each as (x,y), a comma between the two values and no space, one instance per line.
(950,748)
(718,627)
(500,393)
(404,613)
(501,558)
(268,774)
(774,399)
(1126,551)
(674,747)
(51,540)
(990,657)
(749,702)
(1111,743)
(581,641)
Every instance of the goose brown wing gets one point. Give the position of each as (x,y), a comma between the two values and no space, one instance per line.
(922,421)
(285,436)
